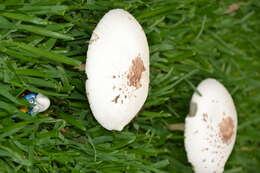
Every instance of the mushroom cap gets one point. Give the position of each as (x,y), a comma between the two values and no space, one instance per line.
(210,127)
(117,69)
(42,103)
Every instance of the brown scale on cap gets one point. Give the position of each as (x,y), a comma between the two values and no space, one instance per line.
(226,127)
(116,99)
(135,72)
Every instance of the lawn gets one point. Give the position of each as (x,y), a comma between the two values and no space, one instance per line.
(43,43)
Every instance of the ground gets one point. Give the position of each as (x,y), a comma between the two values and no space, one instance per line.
(43,43)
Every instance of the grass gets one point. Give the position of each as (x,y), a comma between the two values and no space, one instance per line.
(41,43)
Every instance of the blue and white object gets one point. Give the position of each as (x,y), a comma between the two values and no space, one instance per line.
(40,101)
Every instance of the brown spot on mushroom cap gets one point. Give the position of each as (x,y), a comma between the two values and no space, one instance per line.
(135,72)
(116,99)
(226,128)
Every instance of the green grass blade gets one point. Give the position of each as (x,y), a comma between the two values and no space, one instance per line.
(26,18)
(43,53)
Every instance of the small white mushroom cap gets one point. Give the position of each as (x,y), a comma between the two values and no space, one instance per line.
(210,127)
(42,103)
(117,69)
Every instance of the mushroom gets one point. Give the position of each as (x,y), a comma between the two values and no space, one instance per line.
(210,127)
(117,69)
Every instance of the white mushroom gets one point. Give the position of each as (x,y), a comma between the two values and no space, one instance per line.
(210,127)
(117,69)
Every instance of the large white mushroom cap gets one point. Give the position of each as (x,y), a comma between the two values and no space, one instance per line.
(117,68)
(210,127)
